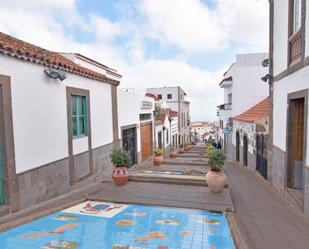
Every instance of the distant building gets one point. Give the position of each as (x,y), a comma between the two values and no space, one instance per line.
(243,88)
(289,95)
(202,130)
(175,99)
(135,118)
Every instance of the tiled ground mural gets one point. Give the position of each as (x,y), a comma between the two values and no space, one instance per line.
(97,225)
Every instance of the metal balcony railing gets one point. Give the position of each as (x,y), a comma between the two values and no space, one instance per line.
(225,106)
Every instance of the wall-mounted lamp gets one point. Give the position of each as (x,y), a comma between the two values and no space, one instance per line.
(266,63)
(266,77)
(56,74)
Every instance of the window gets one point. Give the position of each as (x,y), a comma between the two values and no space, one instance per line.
(169,96)
(229,98)
(159,96)
(79,116)
(296,15)
(167,137)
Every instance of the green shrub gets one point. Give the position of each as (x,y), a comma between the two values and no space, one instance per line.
(216,159)
(158,152)
(120,157)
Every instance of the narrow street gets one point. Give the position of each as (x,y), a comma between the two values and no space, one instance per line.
(267,219)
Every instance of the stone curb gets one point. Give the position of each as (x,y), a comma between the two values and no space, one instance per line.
(240,237)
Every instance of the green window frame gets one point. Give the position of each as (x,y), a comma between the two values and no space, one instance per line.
(79,116)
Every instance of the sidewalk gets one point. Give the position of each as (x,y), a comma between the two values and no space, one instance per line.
(269,221)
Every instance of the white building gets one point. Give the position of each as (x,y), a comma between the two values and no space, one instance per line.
(243,88)
(135,118)
(58,124)
(289,84)
(199,130)
(175,98)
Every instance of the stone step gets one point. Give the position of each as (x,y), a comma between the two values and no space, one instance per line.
(193,155)
(182,162)
(170,179)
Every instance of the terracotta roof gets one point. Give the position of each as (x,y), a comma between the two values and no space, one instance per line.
(257,112)
(151,95)
(31,53)
(226,79)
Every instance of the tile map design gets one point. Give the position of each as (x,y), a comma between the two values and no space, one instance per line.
(98,225)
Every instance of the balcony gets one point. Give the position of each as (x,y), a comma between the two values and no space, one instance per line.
(225,107)
(295,48)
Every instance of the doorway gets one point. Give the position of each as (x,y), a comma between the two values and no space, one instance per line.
(295,148)
(129,143)
(160,139)
(245,151)
(237,145)
(261,155)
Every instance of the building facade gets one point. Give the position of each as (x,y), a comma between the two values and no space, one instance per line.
(243,88)
(135,118)
(175,99)
(289,77)
(54,136)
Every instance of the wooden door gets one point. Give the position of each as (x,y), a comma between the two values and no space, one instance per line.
(160,140)
(296,143)
(146,141)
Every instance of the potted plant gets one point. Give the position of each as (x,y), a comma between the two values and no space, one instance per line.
(121,160)
(186,147)
(158,157)
(173,152)
(181,149)
(215,177)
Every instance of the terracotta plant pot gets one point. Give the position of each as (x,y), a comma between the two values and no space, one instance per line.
(120,175)
(216,180)
(181,150)
(157,160)
(173,153)
(186,148)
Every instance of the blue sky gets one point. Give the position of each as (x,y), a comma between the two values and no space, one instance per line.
(150,42)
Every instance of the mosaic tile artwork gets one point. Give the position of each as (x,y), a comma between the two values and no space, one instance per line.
(125,227)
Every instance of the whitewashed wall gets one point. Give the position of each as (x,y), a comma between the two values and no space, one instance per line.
(280,35)
(247,128)
(40,113)
(128,113)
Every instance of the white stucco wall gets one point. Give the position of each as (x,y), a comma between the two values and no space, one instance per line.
(280,34)
(40,113)
(245,128)
(129,110)
(292,83)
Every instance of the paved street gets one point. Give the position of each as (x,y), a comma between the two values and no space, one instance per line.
(269,222)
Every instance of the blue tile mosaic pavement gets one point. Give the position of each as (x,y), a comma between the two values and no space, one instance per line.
(150,227)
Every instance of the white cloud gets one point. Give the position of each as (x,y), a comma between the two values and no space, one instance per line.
(192,26)
(188,24)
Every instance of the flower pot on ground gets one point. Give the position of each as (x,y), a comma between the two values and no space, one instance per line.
(181,149)
(215,177)
(157,157)
(120,159)
(173,152)
(186,147)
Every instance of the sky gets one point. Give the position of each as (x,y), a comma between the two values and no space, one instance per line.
(152,43)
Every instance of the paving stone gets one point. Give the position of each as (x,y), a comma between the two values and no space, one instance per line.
(268,220)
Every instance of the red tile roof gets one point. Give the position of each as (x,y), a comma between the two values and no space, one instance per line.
(257,112)
(151,95)
(226,79)
(31,53)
